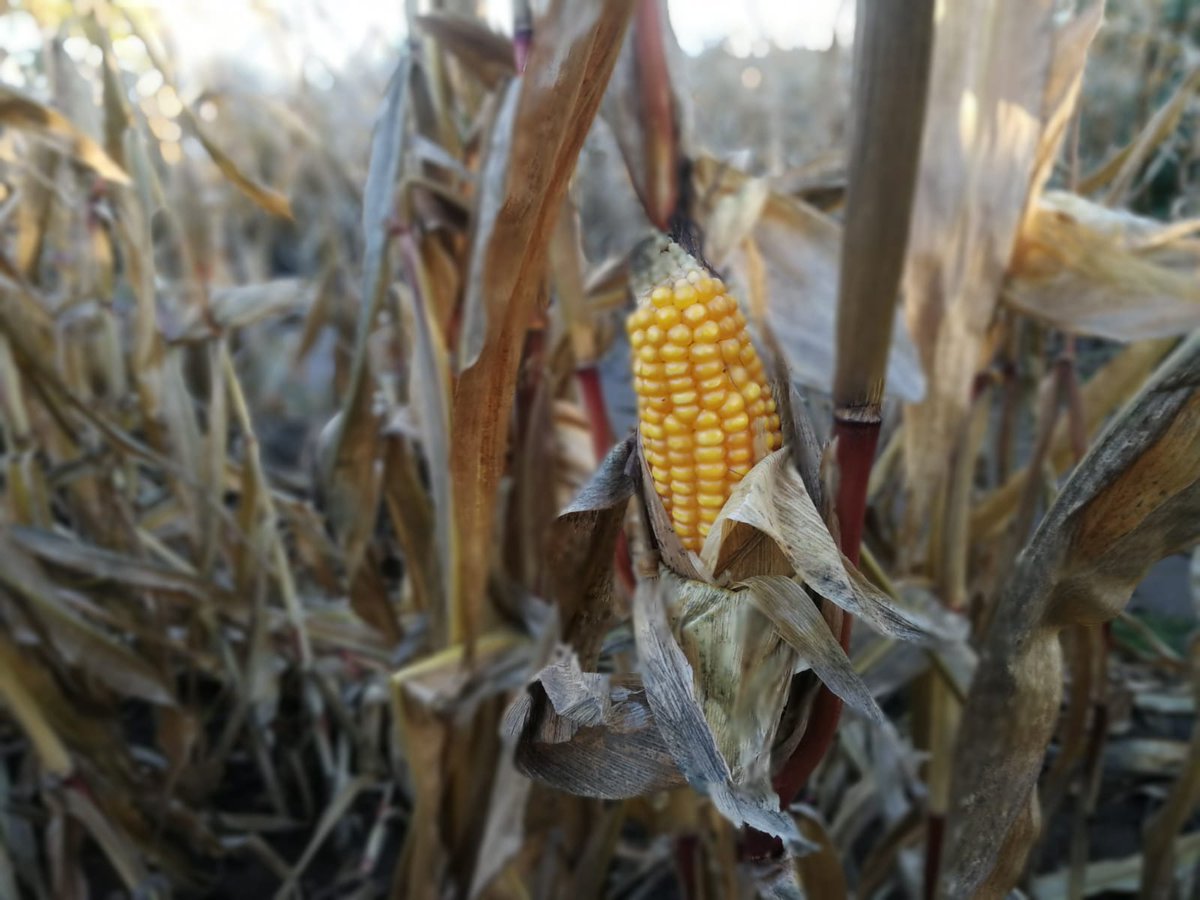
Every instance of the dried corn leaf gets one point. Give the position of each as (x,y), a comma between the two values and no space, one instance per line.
(647,112)
(429,396)
(348,458)
(18,111)
(243,305)
(80,642)
(427,698)
(996,89)
(1088,270)
(98,563)
(1134,499)
(24,707)
(553,108)
(1105,392)
(488,55)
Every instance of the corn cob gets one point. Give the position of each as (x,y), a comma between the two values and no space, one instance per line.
(705,411)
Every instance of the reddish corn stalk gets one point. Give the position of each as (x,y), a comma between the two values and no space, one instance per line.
(894,48)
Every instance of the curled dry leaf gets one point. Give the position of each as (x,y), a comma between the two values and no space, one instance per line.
(589,734)
(582,732)
(1089,270)
(1134,499)
(581,549)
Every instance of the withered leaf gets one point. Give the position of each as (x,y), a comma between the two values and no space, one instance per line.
(1133,499)
(772,499)
(799,622)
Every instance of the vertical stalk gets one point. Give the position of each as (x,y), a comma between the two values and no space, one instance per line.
(893,46)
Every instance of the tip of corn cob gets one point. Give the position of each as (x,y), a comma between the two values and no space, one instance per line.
(705,410)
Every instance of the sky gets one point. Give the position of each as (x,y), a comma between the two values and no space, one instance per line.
(322,35)
(338,29)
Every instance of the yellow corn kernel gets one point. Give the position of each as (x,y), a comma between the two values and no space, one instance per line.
(684,515)
(667,317)
(705,409)
(671,352)
(735,423)
(695,315)
(680,488)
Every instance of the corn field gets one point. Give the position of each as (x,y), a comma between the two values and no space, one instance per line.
(537,462)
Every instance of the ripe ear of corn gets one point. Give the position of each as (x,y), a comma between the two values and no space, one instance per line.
(705,410)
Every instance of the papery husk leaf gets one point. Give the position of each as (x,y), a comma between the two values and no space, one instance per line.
(1134,499)
(580,549)
(772,499)
(797,620)
(742,669)
(669,682)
